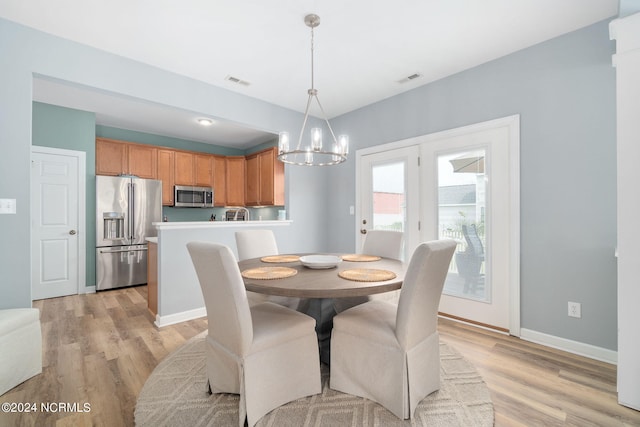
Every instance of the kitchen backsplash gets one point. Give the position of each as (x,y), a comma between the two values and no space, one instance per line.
(199,214)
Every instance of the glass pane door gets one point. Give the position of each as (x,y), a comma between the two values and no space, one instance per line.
(462,204)
(389,195)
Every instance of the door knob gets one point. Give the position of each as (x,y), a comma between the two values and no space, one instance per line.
(363,231)
(72,232)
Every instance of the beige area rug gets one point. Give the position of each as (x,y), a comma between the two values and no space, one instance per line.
(174,395)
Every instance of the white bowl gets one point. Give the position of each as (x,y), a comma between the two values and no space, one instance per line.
(320,261)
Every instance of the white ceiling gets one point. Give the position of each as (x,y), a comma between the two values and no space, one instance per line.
(143,116)
(363,48)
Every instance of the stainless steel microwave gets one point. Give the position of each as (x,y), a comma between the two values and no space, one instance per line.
(192,197)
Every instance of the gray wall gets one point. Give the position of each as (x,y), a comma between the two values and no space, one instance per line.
(564,91)
(71,129)
(628,7)
(25,52)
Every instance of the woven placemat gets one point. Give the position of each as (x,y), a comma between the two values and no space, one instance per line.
(267,273)
(361,258)
(280,258)
(367,275)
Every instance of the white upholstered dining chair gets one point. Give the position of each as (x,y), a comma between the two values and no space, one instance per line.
(255,244)
(268,354)
(387,244)
(390,354)
(384,243)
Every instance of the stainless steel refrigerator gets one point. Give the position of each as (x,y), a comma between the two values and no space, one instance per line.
(126,207)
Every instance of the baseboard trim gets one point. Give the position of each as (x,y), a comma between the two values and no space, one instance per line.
(183,316)
(474,323)
(89,290)
(570,346)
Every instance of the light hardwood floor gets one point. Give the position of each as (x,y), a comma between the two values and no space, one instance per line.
(100,348)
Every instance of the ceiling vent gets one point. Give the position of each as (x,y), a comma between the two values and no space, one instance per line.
(413,76)
(237,81)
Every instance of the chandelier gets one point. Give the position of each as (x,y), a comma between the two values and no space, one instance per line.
(313,154)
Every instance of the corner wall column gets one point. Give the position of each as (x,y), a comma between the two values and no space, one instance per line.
(626,32)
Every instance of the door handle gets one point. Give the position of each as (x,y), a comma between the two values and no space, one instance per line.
(123,251)
(363,230)
(72,232)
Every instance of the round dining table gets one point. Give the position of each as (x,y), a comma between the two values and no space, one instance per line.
(318,287)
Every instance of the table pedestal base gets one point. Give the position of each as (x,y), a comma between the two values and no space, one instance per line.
(322,310)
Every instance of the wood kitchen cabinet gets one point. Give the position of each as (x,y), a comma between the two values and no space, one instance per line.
(111,157)
(264,179)
(193,168)
(143,161)
(252,180)
(235,166)
(271,178)
(219,181)
(184,168)
(203,170)
(166,174)
(115,158)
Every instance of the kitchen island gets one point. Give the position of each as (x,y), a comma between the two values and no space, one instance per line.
(179,297)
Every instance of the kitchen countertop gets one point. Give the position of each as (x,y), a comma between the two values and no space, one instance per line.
(221,224)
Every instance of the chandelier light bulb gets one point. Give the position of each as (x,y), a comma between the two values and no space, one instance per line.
(283,145)
(343,142)
(316,139)
(283,142)
(335,149)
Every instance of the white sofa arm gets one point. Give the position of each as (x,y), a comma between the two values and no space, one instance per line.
(20,346)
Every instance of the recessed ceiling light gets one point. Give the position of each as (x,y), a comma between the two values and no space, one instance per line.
(205,122)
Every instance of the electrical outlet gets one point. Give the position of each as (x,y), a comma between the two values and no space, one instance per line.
(575,309)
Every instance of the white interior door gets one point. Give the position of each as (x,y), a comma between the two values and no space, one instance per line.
(389,195)
(57,223)
(467,196)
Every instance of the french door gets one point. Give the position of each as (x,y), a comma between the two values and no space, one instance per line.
(467,196)
(464,186)
(389,195)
